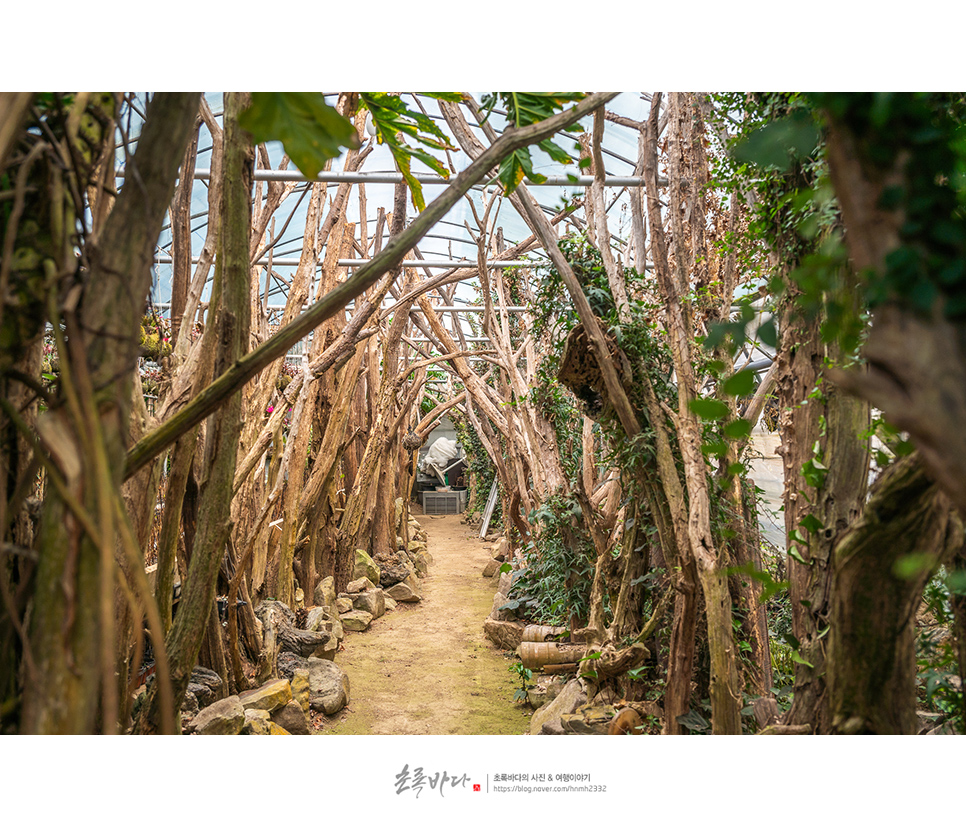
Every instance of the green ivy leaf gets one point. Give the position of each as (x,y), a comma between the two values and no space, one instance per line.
(708,409)
(814,472)
(739,384)
(768,334)
(811,524)
(769,586)
(737,429)
(310,130)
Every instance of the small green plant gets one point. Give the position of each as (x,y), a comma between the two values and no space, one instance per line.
(554,585)
(940,687)
(525,676)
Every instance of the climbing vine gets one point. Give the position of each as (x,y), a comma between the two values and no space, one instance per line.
(554,585)
(479,465)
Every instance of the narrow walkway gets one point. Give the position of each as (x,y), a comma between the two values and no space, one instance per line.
(768,475)
(427,668)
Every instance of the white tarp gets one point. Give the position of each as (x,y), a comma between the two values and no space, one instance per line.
(439,454)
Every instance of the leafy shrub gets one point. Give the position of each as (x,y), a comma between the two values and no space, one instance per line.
(554,584)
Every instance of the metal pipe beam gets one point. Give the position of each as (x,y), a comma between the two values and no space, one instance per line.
(453,264)
(468,339)
(390,177)
(164,305)
(758,365)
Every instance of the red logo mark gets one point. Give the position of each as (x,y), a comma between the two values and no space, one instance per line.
(476,787)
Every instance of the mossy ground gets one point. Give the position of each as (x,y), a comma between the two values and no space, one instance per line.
(427,668)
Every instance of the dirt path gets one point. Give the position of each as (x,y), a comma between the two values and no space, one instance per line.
(427,668)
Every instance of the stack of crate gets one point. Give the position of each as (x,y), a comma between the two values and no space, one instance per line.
(444,503)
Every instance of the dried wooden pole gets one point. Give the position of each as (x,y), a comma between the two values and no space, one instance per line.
(209,400)
(232,295)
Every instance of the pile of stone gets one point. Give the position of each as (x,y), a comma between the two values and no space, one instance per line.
(360,604)
(499,554)
(309,677)
(401,571)
(577,706)
(278,707)
(378,585)
(502,626)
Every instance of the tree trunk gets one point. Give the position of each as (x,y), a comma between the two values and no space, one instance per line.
(66,645)
(957,601)
(881,567)
(674,282)
(17,473)
(821,507)
(181,237)
(231,302)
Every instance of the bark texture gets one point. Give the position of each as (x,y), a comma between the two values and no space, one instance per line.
(881,567)
(74,574)
(230,300)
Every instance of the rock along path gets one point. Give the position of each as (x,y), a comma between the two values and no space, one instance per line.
(427,668)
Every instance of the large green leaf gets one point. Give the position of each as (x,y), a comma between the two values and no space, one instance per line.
(768,334)
(394,120)
(737,429)
(515,168)
(454,97)
(526,109)
(530,108)
(309,129)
